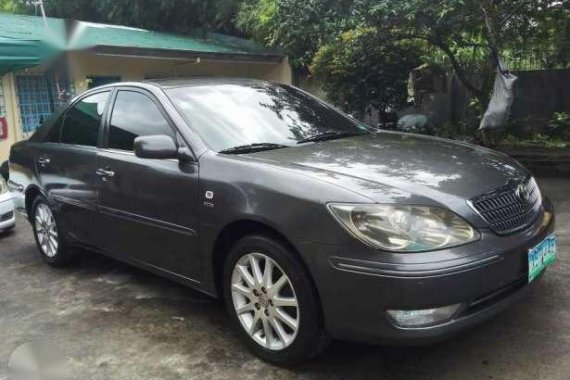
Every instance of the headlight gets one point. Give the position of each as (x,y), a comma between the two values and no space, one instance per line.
(3,186)
(404,228)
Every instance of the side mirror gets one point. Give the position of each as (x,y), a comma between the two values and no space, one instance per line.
(185,155)
(158,147)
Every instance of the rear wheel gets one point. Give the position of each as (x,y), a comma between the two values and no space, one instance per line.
(271,298)
(49,235)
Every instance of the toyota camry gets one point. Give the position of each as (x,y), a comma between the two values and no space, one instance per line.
(307,223)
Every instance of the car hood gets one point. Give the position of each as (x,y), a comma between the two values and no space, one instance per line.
(390,166)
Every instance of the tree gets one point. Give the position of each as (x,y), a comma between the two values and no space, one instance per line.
(178,16)
(350,46)
(471,34)
(298,27)
(10,6)
(486,28)
(358,73)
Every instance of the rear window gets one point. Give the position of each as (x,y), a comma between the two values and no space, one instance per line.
(82,121)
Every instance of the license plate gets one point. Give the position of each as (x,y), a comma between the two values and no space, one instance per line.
(541,256)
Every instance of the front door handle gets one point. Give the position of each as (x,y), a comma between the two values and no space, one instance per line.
(43,161)
(105,174)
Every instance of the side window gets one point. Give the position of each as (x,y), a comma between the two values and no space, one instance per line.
(134,115)
(54,132)
(82,121)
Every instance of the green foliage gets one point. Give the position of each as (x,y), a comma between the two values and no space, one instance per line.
(168,15)
(298,27)
(538,140)
(10,6)
(361,69)
(360,50)
(467,35)
(560,125)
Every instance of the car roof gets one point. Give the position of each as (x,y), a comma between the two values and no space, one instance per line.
(167,83)
(203,81)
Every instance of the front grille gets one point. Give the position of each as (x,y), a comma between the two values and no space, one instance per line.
(510,208)
(7,216)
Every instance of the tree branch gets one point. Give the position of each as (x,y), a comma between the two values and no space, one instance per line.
(459,70)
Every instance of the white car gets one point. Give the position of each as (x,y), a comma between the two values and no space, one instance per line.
(7,214)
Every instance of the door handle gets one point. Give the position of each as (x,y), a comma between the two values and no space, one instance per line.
(105,174)
(43,161)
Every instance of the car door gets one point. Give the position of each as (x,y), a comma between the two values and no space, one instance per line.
(67,161)
(148,206)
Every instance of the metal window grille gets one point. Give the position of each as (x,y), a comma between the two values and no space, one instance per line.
(38,99)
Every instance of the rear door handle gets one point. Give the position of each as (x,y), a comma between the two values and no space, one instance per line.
(105,174)
(43,161)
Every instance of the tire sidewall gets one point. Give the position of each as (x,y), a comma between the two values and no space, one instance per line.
(60,256)
(310,336)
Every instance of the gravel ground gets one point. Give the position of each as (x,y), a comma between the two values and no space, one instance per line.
(116,322)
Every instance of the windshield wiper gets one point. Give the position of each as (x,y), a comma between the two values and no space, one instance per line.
(329,136)
(251,148)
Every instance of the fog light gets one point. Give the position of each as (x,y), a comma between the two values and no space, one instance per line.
(422,318)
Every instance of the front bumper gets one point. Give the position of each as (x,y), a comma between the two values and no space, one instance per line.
(357,288)
(7,214)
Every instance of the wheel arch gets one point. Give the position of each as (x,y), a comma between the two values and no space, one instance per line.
(238,229)
(30,195)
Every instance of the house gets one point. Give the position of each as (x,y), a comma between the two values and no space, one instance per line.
(45,62)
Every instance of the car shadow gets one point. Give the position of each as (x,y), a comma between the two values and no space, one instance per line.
(7,233)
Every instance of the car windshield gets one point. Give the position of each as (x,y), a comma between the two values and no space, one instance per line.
(260,115)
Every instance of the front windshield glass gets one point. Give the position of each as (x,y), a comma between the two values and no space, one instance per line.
(234,115)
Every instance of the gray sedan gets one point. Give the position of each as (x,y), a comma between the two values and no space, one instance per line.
(308,224)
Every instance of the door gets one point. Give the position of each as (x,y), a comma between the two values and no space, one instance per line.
(148,206)
(66,164)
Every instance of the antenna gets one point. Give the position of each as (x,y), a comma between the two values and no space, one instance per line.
(42,9)
(49,31)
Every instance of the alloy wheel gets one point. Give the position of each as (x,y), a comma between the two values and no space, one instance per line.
(265,302)
(46,230)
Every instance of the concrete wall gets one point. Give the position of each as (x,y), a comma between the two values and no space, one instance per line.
(84,64)
(541,93)
(537,96)
(12,116)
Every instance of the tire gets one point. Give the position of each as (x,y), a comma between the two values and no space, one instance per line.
(57,251)
(275,338)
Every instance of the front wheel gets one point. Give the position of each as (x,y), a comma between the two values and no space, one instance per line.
(271,298)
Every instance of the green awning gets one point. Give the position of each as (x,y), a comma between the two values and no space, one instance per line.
(26,41)
(21,54)
(87,35)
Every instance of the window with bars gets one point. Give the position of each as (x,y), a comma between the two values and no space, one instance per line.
(38,98)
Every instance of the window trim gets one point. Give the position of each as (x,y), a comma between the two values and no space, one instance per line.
(111,107)
(73,104)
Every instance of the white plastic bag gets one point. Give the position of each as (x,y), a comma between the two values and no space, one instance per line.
(500,105)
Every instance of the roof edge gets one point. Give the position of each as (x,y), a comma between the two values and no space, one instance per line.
(138,52)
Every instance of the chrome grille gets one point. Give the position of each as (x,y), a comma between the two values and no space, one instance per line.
(510,208)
